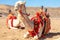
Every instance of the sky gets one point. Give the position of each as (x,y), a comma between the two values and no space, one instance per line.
(34,3)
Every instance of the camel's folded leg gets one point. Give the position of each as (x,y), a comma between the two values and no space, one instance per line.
(16,24)
(9,24)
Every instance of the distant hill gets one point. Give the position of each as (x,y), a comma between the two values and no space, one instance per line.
(54,12)
(5,8)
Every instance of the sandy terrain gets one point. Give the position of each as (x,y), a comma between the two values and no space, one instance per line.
(9,34)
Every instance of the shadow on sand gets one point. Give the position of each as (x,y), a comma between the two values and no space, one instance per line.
(50,35)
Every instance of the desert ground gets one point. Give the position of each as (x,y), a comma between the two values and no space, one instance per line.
(10,34)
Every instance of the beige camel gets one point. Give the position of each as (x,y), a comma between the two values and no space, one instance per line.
(22,17)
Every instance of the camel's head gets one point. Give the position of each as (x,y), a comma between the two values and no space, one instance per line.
(20,5)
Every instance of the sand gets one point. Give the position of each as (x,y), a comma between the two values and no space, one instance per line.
(10,34)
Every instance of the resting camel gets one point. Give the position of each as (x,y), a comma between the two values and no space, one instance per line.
(23,19)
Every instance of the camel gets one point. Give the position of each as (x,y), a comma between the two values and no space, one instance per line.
(23,19)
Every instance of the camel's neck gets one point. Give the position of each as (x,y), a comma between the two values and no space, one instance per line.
(24,18)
